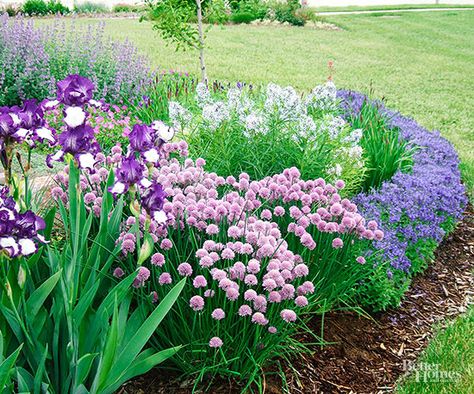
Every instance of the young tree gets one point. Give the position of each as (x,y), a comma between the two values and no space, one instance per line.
(181,22)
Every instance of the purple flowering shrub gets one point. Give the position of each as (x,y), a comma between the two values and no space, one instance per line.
(33,59)
(415,210)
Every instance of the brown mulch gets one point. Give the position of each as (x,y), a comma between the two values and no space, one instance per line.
(366,355)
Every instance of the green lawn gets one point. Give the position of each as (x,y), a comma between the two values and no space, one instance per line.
(391,7)
(450,352)
(421,63)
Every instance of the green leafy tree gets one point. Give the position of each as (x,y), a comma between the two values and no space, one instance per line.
(181,23)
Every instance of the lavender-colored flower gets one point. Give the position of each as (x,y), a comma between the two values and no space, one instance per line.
(196,303)
(215,342)
(142,276)
(152,201)
(288,315)
(185,269)
(218,314)
(118,272)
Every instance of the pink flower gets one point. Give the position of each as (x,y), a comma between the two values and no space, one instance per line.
(158,259)
(142,276)
(360,260)
(301,270)
(337,243)
(301,301)
(166,244)
(340,184)
(154,297)
(218,314)
(288,315)
(272,330)
(245,310)
(274,297)
(250,280)
(305,288)
(232,293)
(253,266)
(259,318)
(250,295)
(118,272)
(185,269)
(199,281)
(196,303)
(212,229)
(215,342)
(165,279)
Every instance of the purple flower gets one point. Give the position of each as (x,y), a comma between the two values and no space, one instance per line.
(196,303)
(215,342)
(153,199)
(18,231)
(129,173)
(141,138)
(75,90)
(218,314)
(288,315)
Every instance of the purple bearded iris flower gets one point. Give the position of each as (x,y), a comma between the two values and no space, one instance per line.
(152,201)
(75,90)
(18,231)
(141,138)
(129,173)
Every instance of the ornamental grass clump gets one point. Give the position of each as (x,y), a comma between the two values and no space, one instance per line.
(384,150)
(264,132)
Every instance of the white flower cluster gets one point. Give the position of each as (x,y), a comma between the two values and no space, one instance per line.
(323,97)
(180,117)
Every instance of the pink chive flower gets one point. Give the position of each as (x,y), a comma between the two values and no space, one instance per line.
(250,295)
(361,260)
(340,184)
(301,270)
(185,269)
(301,301)
(196,303)
(165,279)
(215,342)
(158,259)
(199,281)
(245,310)
(259,318)
(337,243)
(166,244)
(154,297)
(218,314)
(142,276)
(288,315)
(272,330)
(118,272)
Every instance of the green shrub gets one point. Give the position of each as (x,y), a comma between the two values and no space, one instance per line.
(384,150)
(91,8)
(249,10)
(127,8)
(35,7)
(287,12)
(55,7)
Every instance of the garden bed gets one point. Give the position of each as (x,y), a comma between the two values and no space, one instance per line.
(366,354)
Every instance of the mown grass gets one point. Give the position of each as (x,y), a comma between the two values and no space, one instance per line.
(421,63)
(390,7)
(450,352)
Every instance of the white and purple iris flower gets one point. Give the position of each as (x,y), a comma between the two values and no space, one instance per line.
(78,139)
(24,124)
(18,231)
(75,91)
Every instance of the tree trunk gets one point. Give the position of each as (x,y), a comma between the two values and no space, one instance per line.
(201,43)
